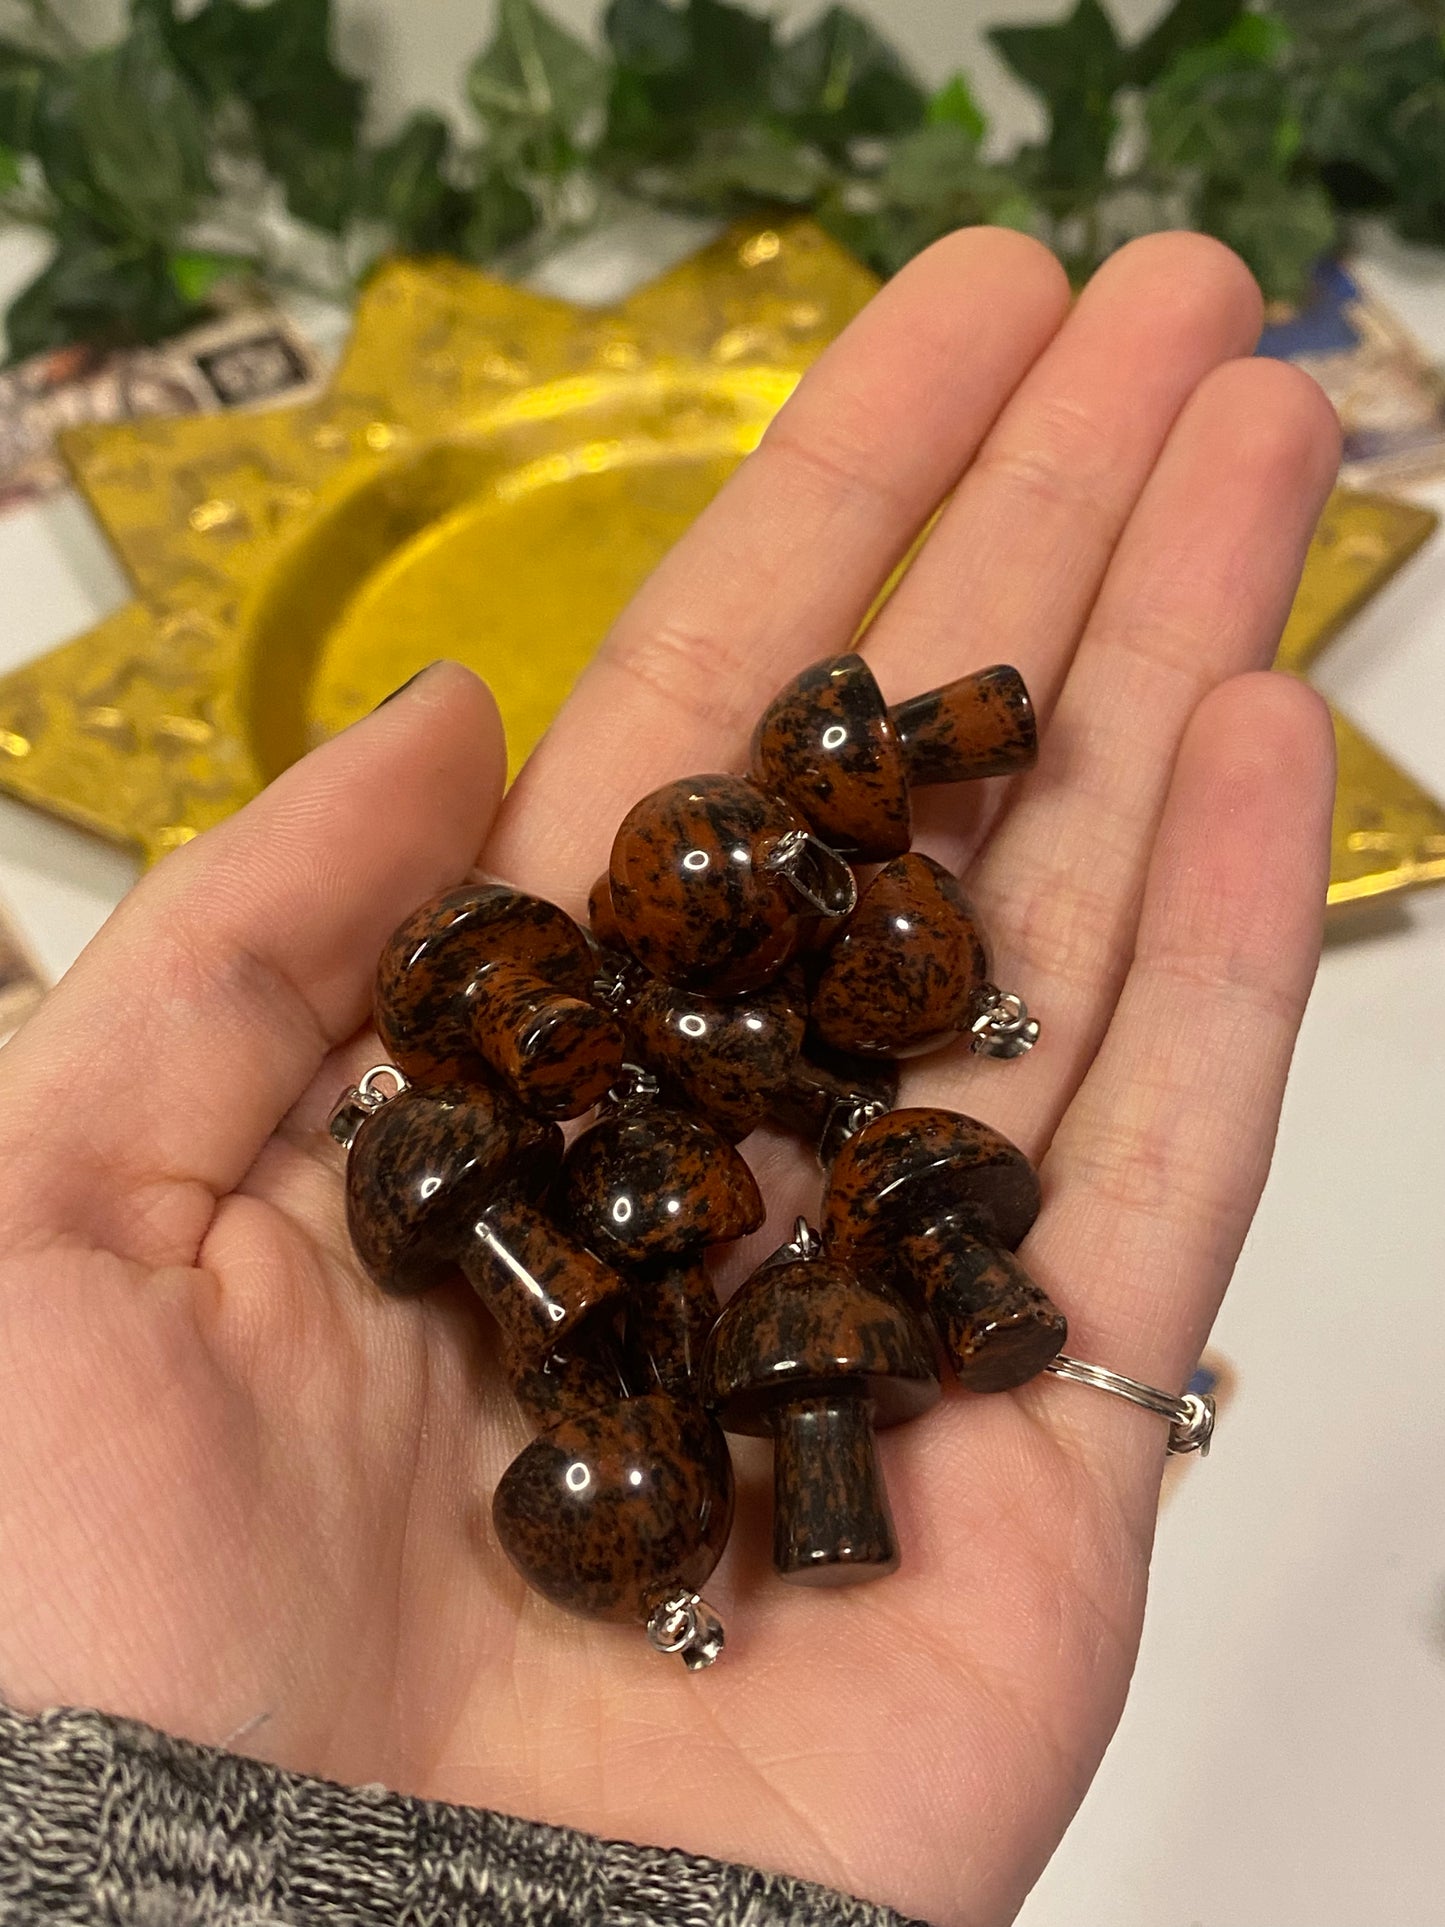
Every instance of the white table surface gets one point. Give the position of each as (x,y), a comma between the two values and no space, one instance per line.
(1282,1759)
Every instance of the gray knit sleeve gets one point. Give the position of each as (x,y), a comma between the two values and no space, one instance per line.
(106,1821)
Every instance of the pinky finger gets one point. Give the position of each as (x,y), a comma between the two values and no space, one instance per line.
(1154,1175)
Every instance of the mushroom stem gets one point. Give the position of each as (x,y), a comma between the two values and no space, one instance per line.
(532,1278)
(980,725)
(557,1052)
(831,1523)
(997,1326)
(671,1309)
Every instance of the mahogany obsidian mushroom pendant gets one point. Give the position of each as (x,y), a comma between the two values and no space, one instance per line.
(651,1188)
(816,1356)
(830,747)
(443,1179)
(621,1513)
(940,1201)
(713,884)
(486,981)
(910,971)
(737,1061)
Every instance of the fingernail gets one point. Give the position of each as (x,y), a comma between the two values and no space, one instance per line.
(402,688)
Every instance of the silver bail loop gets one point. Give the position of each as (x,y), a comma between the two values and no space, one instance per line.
(846,1118)
(685,1624)
(804,1245)
(819,875)
(1003,1027)
(355,1106)
(635,1087)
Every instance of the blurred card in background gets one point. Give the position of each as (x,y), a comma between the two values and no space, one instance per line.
(1390,399)
(246,360)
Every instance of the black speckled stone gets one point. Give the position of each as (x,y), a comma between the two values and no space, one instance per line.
(905,1171)
(651,1182)
(814,1355)
(728,1060)
(981,725)
(826,746)
(610,1512)
(429,1163)
(997,1327)
(671,1310)
(486,981)
(696,895)
(910,967)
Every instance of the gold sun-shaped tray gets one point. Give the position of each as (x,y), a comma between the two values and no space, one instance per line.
(488,476)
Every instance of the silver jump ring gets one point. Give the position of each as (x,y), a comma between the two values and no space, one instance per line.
(1191,1415)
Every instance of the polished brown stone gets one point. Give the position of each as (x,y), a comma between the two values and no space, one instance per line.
(485,980)
(904,1171)
(910,968)
(671,1310)
(712,882)
(567,1384)
(832,1093)
(647,1181)
(426,1165)
(815,1355)
(602,918)
(610,1512)
(997,1327)
(728,1060)
(825,744)
(830,746)
(559,1053)
(938,1201)
(981,725)
(441,1179)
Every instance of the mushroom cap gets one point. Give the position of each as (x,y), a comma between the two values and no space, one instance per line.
(727,1058)
(910,1168)
(693,894)
(654,1182)
(827,746)
(611,1510)
(794,1330)
(906,968)
(430,968)
(425,1164)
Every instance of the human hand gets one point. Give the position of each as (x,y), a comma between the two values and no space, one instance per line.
(244,1496)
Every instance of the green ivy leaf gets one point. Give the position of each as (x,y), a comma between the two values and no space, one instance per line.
(647,36)
(1281,228)
(121,138)
(499,215)
(536,89)
(839,80)
(22,75)
(9,168)
(305,112)
(1187,23)
(1076,67)
(1224,110)
(733,169)
(954,106)
(408,184)
(98,290)
(196,273)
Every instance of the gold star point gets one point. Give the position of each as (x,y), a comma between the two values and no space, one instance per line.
(489,475)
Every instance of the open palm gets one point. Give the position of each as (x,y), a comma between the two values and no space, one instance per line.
(245,1497)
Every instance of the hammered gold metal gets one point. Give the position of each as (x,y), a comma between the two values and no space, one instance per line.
(489,476)
(1388,833)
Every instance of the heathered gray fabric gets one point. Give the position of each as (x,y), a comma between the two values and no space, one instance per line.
(104,1821)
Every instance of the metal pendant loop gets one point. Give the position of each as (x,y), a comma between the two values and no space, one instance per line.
(1191,1415)
(1003,1027)
(355,1106)
(685,1624)
(818,874)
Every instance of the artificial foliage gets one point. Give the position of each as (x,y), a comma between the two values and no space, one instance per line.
(223,144)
